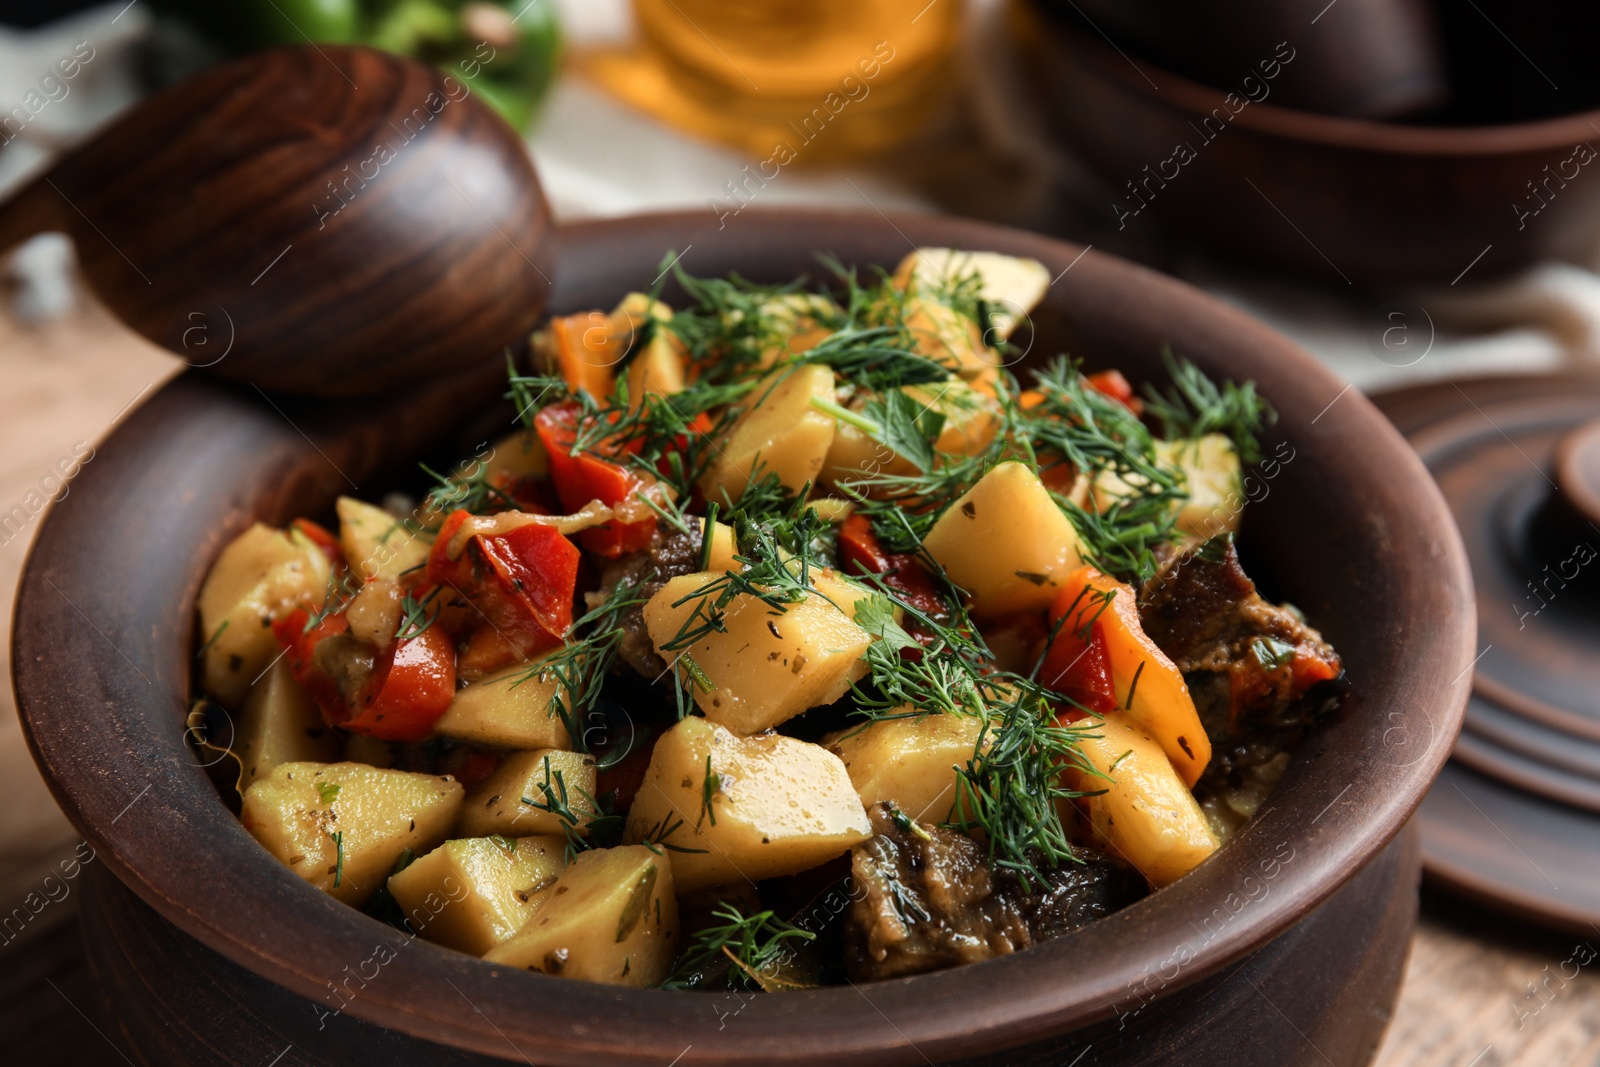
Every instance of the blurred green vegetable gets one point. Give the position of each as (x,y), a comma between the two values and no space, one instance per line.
(506,54)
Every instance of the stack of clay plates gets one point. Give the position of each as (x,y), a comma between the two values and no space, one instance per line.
(1515,817)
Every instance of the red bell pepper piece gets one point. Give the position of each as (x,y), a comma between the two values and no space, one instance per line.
(1080,669)
(318,535)
(581,477)
(861,553)
(522,583)
(394,694)
(1112,383)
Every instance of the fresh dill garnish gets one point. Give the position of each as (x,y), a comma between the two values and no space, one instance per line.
(1194,405)
(875,358)
(1008,790)
(213,639)
(338,863)
(1272,653)
(328,792)
(708,534)
(473,494)
(338,594)
(655,838)
(581,832)
(415,616)
(709,788)
(580,667)
(896,421)
(755,947)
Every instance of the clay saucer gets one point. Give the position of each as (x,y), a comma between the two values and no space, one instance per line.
(1515,819)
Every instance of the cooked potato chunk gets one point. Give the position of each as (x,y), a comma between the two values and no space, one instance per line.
(723,548)
(474,893)
(280,723)
(612,917)
(517,455)
(1012,284)
(779,433)
(758,806)
(503,712)
(1213,499)
(261,575)
(1006,543)
(1146,814)
(342,826)
(911,762)
(970,424)
(763,667)
(376,544)
(506,802)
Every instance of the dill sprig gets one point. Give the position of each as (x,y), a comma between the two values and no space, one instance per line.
(580,667)
(756,946)
(415,615)
(1006,794)
(596,830)
(1193,405)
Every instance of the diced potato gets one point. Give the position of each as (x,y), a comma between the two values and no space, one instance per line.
(280,724)
(780,433)
(1159,701)
(1006,542)
(846,593)
(342,826)
(762,667)
(723,548)
(1146,814)
(517,455)
(378,545)
(658,369)
(949,339)
(911,762)
(502,712)
(798,322)
(832,510)
(500,804)
(776,805)
(474,893)
(262,575)
(1214,498)
(970,424)
(611,917)
(1015,284)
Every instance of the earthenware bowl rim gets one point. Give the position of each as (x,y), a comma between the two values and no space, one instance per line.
(1019,998)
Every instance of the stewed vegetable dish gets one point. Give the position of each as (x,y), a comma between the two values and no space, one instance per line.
(789,637)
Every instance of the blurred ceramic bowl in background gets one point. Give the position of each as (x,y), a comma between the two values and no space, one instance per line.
(1345,200)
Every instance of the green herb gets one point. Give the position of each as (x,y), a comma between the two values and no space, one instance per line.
(338,594)
(1194,405)
(328,792)
(474,494)
(581,666)
(1133,685)
(709,788)
(875,358)
(415,618)
(655,838)
(582,832)
(1271,653)
(212,640)
(756,946)
(338,864)
(1008,790)
(708,534)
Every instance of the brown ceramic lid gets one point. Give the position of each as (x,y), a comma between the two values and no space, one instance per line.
(1518,460)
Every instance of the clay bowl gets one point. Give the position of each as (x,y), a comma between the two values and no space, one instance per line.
(1344,200)
(1350,528)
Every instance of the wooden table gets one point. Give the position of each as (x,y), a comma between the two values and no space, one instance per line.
(1481,990)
